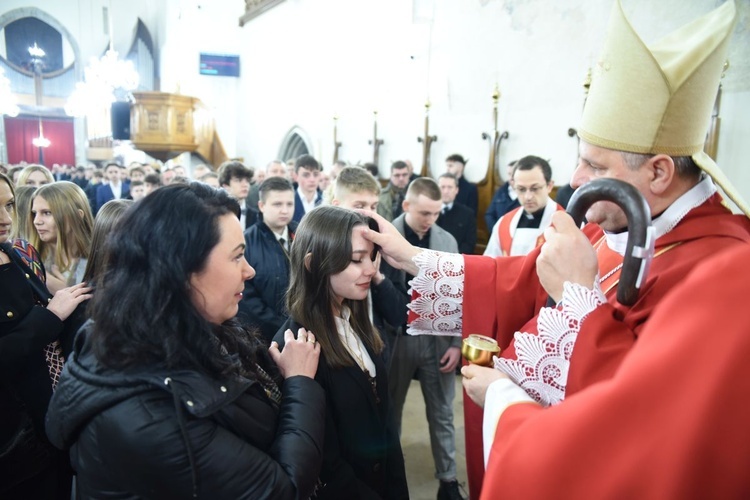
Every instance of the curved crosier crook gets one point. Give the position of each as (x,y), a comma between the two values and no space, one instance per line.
(640,247)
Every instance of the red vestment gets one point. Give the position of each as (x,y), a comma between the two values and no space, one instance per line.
(610,331)
(506,229)
(671,422)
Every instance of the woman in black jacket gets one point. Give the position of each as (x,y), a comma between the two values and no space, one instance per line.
(32,331)
(165,395)
(331,269)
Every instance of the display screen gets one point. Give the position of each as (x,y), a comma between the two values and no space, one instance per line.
(220,65)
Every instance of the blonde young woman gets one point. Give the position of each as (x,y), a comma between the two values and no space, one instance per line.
(62,218)
(104,224)
(35,175)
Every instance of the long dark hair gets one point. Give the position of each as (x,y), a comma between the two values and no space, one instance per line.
(326,234)
(142,310)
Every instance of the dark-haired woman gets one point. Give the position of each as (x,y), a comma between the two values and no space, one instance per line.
(165,396)
(331,269)
(31,328)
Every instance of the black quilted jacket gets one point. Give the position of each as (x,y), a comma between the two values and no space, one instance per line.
(181,434)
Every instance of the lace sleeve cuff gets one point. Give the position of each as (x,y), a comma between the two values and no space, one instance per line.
(579,301)
(437,294)
(542,360)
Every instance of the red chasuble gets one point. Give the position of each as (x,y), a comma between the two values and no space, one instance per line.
(670,422)
(610,331)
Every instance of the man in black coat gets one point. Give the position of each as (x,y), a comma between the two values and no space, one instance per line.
(468,195)
(267,251)
(97,178)
(456,218)
(503,201)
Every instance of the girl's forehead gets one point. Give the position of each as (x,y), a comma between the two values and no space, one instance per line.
(359,242)
(38,200)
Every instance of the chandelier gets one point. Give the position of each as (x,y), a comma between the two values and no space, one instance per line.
(113,72)
(7,101)
(106,80)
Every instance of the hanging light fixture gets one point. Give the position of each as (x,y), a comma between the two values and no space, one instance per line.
(41,141)
(8,104)
(36,51)
(105,80)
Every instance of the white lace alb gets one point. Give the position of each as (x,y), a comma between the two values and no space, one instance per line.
(542,363)
(440,285)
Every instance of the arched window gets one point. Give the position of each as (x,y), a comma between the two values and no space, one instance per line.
(22,28)
(294,145)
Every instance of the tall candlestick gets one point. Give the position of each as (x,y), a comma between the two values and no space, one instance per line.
(426,141)
(375,142)
(336,142)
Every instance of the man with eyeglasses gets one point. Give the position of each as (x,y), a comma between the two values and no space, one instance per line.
(521,230)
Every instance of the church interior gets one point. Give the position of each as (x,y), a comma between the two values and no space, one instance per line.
(492,80)
(188,82)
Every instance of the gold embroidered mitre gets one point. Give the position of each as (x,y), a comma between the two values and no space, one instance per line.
(658,99)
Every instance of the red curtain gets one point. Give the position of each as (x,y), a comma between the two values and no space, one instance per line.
(20,131)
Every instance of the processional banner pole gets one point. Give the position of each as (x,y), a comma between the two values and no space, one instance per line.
(426,142)
(375,142)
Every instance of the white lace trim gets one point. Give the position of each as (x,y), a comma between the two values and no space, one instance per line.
(543,360)
(440,284)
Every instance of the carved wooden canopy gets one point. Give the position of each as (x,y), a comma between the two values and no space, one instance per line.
(254,8)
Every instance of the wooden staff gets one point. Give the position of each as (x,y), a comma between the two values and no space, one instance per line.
(375,142)
(336,143)
(426,141)
(492,180)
